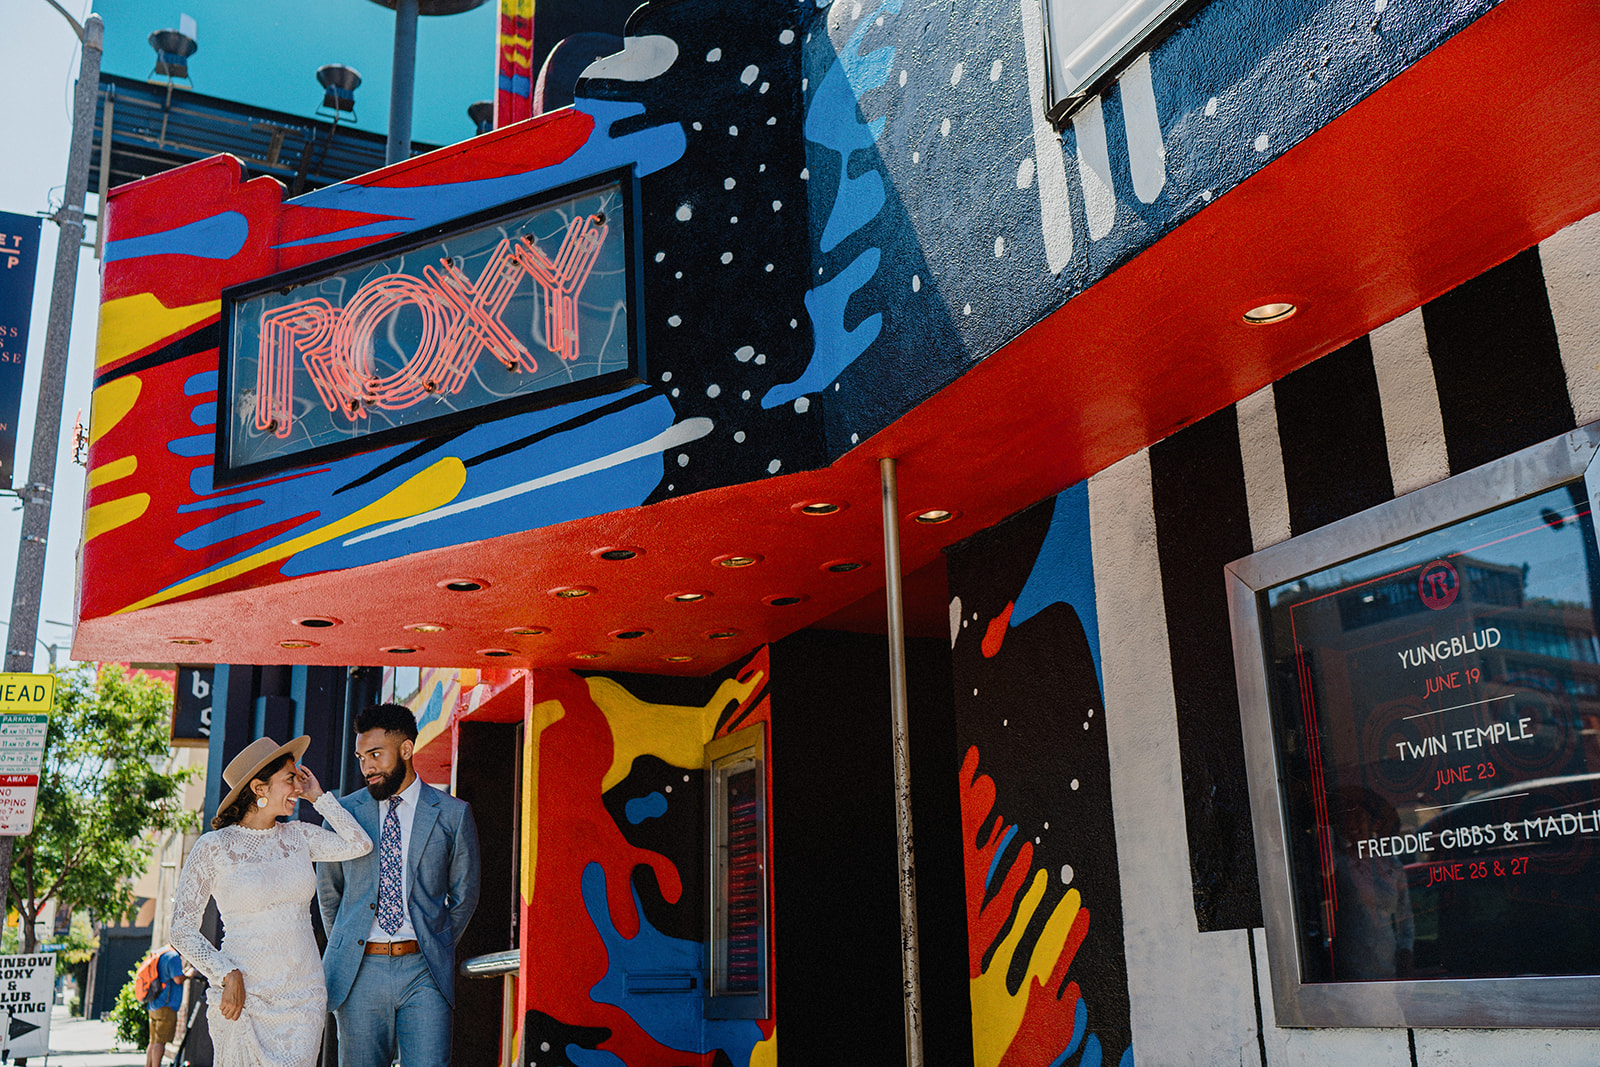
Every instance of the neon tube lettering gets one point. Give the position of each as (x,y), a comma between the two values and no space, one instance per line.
(461,319)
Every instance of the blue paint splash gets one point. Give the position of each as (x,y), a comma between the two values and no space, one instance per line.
(994,864)
(639,809)
(1063,572)
(671,1020)
(833,123)
(836,347)
(220,236)
(434,708)
(415,208)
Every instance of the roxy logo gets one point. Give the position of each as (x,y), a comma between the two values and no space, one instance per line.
(461,319)
(1438,585)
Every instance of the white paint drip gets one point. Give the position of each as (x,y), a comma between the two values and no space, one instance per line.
(1094,169)
(1147,151)
(1055,204)
(955,625)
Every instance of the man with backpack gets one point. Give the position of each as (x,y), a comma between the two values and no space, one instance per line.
(159,984)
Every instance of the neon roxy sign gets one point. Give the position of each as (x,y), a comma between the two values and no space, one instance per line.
(517,311)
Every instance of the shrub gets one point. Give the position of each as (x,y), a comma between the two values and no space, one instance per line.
(131,1016)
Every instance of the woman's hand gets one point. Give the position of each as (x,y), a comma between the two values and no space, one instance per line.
(232,994)
(310,788)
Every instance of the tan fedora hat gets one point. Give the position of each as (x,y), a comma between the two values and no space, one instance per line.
(256,755)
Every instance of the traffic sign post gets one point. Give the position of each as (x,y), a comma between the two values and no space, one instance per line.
(25,702)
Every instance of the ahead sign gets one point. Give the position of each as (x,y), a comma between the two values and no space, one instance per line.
(25,700)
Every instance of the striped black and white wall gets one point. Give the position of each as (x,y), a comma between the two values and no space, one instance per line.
(1506,360)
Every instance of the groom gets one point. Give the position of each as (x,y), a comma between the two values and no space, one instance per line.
(393,916)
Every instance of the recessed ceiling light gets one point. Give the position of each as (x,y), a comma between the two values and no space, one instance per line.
(934,516)
(677,659)
(843,566)
(571,592)
(721,635)
(736,561)
(426,627)
(616,554)
(398,650)
(297,644)
(782,600)
(497,652)
(588,655)
(817,507)
(188,640)
(464,585)
(317,622)
(1265,314)
(527,631)
(688,596)
(630,635)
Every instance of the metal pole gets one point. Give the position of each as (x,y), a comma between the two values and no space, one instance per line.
(35,496)
(910,952)
(24,629)
(402,85)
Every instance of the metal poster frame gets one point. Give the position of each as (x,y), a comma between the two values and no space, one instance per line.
(1534,1001)
(634,373)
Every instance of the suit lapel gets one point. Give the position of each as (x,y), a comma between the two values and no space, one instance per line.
(421,826)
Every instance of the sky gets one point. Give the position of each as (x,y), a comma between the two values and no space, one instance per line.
(260,54)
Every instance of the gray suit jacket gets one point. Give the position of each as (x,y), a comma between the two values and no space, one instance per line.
(442,865)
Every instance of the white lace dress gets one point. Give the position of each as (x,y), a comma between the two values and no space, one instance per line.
(263,883)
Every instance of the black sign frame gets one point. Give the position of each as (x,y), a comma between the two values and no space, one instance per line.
(626,178)
(1517,999)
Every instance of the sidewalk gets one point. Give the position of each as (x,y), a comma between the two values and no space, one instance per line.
(76,1042)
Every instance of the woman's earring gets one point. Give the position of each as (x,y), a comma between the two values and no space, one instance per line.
(261,802)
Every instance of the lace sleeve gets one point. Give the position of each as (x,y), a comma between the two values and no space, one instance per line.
(343,839)
(194,890)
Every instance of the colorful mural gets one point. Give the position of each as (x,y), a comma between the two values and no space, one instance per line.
(875,186)
(1044,917)
(613,877)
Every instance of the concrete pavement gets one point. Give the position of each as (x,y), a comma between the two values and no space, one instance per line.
(76,1042)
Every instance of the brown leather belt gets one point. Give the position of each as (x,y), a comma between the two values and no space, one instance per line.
(392,948)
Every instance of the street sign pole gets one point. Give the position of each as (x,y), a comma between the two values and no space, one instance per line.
(36,493)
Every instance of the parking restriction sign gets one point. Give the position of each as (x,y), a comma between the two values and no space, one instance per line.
(24,701)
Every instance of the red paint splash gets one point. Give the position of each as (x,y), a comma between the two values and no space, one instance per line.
(995,635)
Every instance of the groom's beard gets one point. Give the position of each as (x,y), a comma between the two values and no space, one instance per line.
(385,787)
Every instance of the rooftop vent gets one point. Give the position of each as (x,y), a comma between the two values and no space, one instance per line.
(339,84)
(173,49)
(482,115)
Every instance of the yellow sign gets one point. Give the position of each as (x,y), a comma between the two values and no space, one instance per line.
(27,692)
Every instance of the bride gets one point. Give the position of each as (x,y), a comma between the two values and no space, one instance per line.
(267,1003)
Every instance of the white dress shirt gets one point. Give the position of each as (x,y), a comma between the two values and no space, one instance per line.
(407,814)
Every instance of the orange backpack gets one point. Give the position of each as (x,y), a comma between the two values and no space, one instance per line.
(147,982)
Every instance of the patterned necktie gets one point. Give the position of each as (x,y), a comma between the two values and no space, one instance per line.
(390,915)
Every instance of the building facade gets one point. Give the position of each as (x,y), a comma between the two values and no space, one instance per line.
(1295,263)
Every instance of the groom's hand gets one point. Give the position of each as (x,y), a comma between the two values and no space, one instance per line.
(232,995)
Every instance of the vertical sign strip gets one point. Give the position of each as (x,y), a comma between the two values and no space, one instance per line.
(19,260)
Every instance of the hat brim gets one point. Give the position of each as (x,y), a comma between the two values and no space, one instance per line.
(297,748)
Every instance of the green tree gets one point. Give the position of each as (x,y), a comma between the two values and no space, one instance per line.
(101,795)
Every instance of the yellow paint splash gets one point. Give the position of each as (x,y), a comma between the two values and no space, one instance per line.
(110,514)
(675,734)
(110,472)
(111,403)
(996,1014)
(432,488)
(765,1054)
(545,715)
(131,323)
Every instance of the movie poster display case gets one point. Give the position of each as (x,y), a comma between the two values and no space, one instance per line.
(1420,692)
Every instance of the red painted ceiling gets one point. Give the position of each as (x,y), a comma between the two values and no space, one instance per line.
(1485,147)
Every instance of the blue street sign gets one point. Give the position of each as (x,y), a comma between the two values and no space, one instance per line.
(19,256)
